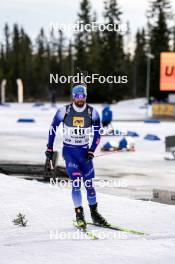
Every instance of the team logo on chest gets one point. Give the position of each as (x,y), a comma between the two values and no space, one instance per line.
(78,121)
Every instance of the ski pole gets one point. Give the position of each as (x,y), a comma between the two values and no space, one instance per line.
(111,152)
(101,155)
(51,165)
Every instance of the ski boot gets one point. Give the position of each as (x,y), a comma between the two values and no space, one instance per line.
(80,219)
(97,218)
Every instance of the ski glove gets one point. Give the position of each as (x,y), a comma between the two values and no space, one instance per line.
(90,154)
(49,153)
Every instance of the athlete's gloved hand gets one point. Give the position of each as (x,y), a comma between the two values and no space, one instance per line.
(90,154)
(49,153)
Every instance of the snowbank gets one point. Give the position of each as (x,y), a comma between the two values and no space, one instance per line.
(49,209)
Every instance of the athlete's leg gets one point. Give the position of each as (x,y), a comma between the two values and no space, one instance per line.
(75,176)
(87,171)
(91,197)
(76,192)
(72,169)
(91,193)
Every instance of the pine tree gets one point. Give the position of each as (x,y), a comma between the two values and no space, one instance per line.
(41,67)
(82,38)
(14,58)
(94,61)
(112,50)
(159,36)
(69,66)
(6,59)
(94,49)
(2,62)
(25,62)
(127,64)
(61,69)
(139,64)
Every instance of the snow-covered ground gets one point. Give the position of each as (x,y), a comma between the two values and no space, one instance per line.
(138,172)
(50,238)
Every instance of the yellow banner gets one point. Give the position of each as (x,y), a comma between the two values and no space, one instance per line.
(163,109)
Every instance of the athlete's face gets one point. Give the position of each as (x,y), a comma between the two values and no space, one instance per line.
(80,100)
(79,103)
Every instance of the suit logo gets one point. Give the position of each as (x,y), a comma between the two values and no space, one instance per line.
(78,121)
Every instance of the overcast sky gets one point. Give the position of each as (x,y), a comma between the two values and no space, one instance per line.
(34,14)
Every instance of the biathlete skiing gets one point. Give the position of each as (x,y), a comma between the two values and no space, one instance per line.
(78,119)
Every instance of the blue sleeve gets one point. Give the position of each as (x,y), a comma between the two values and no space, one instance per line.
(58,118)
(96,127)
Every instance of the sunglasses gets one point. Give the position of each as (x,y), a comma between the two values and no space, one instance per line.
(80,96)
